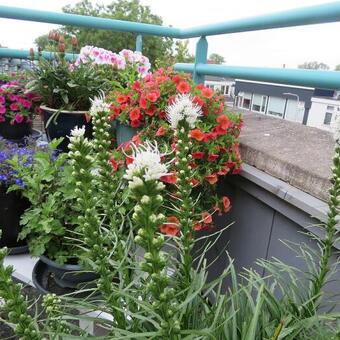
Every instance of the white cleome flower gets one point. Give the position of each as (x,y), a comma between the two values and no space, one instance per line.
(146,161)
(336,129)
(98,104)
(183,109)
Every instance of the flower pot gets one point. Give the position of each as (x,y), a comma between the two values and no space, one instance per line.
(68,275)
(15,132)
(12,206)
(124,133)
(59,123)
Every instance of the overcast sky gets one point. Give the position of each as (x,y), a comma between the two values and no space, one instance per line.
(270,48)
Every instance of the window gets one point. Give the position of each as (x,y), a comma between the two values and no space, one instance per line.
(328,118)
(259,103)
(330,108)
(244,99)
(276,106)
(222,89)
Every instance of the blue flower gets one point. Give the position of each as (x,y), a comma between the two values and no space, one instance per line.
(19,182)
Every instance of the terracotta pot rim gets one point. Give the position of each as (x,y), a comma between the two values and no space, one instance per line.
(49,109)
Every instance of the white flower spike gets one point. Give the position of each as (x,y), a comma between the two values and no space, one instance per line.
(98,104)
(146,161)
(183,108)
(77,134)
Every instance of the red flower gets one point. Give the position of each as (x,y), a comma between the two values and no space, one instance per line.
(153,95)
(162,115)
(223,171)
(128,160)
(177,78)
(209,136)
(14,107)
(160,132)
(212,179)
(197,226)
(206,217)
(151,110)
(212,157)
(223,122)
(122,98)
(226,203)
(171,100)
(194,182)
(135,123)
(114,164)
(170,178)
(198,155)
(115,111)
(207,92)
(136,86)
(143,103)
(183,87)
(197,100)
(135,114)
(222,149)
(171,227)
(200,86)
(136,138)
(197,134)
(236,171)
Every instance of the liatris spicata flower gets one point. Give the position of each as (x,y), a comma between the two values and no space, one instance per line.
(98,105)
(183,108)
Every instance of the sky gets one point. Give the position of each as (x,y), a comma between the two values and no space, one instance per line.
(268,48)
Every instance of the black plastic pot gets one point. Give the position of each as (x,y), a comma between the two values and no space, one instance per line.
(68,275)
(12,206)
(62,123)
(15,131)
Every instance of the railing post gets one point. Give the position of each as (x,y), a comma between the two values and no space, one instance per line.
(201,58)
(139,43)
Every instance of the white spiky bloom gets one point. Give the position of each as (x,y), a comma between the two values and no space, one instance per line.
(77,134)
(98,104)
(146,161)
(336,129)
(183,108)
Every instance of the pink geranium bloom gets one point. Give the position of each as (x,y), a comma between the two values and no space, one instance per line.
(18,118)
(2,119)
(2,99)
(2,109)
(26,103)
(14,107)
(12,97)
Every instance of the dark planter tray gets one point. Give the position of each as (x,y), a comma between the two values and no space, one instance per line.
(43,279)
(18,250)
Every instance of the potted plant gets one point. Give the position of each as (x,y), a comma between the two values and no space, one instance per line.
(66,87)
(50,224)
(148,103)
(17,108)
(12,203)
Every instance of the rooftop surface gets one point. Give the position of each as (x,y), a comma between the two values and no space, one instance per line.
(297,154)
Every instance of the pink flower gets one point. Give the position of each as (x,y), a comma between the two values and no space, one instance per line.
(2,100)
(2,109)
(18,118)
(14,107)
(26,104)
(12,97)
(2,119)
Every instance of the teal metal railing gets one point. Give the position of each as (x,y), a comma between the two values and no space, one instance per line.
(325,13)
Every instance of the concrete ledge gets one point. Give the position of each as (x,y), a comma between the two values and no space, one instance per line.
(297,154)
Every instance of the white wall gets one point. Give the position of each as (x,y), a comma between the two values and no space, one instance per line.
(318,111)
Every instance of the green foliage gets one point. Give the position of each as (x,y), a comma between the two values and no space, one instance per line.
(216,58)
(314,65)
(66,89)
(50,220)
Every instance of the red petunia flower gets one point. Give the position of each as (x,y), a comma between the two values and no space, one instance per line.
(226,203)
(200,86)
(114,164)
(198,101)
(177,79)
(207,92)
(153,95)
(136,138)
(223,122)
(197,134)
(135,123)
(197,226)
(183,87)
(212,157)
(135,114)
(198,155)
(151,110)
(194,182)
(143,103)
(122,98)
(212,179)
(128,160)
(169,178)
(171,227)
(207,218)
(162,115)
(136,86)
(160,132)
